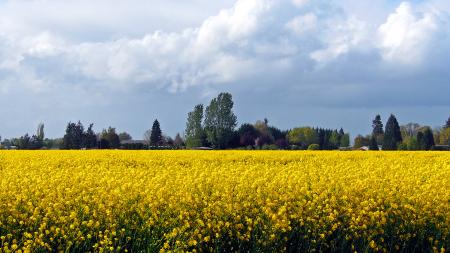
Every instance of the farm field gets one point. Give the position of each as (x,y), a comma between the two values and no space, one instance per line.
(222,201)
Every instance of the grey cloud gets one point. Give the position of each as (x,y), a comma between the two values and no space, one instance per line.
(294,54)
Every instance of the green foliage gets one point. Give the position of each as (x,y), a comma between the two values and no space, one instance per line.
(444,137)
(220,121)
(109,138)
(402,146)
(73,139)
(361,141)
(178,141)
(40,132)
(247,135)
(428,139)
(303,136)
(156,138)
(124,136)
(377,126)
(373,145)
(335,139)
(412,144)
(392,134)
(194,133)
(90,138)
(314,147)
(269,147)
(345,140)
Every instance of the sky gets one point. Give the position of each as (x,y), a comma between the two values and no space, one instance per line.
(125,63)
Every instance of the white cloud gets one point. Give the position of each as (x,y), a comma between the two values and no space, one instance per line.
(300,3)
(340,38)
(247,40)
(405,36)
(90,54)
(303,23)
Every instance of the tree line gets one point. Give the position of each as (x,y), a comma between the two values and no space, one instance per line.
(411,136)
(216,127)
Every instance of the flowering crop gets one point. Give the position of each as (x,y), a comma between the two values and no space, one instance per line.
(224,201)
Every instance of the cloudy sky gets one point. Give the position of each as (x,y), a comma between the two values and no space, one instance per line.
(296,62)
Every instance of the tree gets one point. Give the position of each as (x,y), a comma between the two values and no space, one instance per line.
(377,130)
(411,143)
(40,132)
(314,147)
(73,139)
(263,132)
(247,135)
(178,141)
(109,138)
(90,138)
(373,145)
(421,141)
(167,141)
(276,133)
(444,137)
(409,130)
(335,139)
(124,136)
(303,136)
(344,138)
(447,124)
(220,121)
(392,134)
(23,142)
(361,141)
(428,139)
(147,136)
(156,137)
(194,134)
(377,126)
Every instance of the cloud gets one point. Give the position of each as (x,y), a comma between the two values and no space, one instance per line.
(101,60)
(340,38)
(406,35)
(303,23)
(300,3)
(252,41)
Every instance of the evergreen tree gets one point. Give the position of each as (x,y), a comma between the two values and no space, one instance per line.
(73,139)
(156,135)
(428,139)
(421,141)
(178,141)
(447,124)
(377,126)
(194,133)
(220,121)
(373,144)
(90,138)
(392,134)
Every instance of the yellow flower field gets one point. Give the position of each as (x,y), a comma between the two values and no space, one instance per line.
(224,201)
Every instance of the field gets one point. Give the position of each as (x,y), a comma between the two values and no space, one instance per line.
(110,201)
